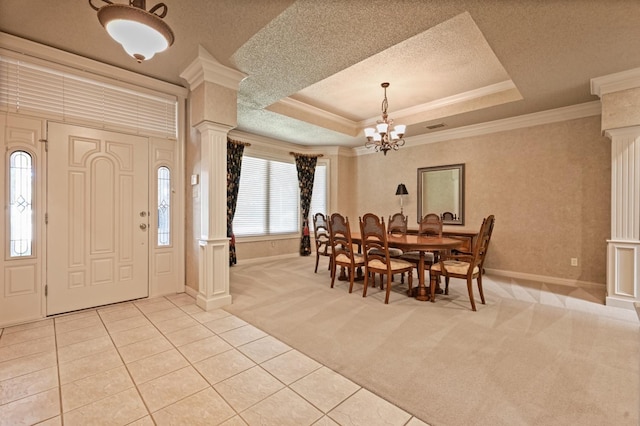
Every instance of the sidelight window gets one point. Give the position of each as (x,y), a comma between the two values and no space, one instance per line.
(20,204)
(164,206)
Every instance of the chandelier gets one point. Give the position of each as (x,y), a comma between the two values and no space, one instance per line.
(142,34)
(382,137)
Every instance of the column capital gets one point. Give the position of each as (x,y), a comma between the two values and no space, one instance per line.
(206,68)
(211,126)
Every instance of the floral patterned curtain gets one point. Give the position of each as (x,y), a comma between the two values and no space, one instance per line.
(306,166)
(234,165)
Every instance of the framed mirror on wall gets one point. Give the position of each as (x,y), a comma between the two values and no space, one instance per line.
(441,191)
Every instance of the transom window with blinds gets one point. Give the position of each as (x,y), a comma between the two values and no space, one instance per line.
(269,200)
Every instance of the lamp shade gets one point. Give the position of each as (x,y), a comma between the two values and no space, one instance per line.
(402,190)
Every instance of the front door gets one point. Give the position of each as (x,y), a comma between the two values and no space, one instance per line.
(97,223)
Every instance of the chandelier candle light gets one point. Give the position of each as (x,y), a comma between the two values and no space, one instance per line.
(142,34)
(382,137)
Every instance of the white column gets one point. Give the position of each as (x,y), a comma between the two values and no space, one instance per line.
(623,249)
(214,244)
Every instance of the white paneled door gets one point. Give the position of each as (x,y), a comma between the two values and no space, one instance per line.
(97,225)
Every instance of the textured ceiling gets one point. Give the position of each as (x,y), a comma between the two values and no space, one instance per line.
(315,67)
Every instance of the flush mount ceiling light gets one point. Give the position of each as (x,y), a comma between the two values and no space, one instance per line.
(141,33)
(382,137)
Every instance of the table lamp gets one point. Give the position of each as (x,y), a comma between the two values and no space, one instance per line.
(401,191)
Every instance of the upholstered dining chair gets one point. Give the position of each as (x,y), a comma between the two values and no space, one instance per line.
(342,248)
(466,266)
(429,225)
(397,226)
(376,254)
(321,236)
(448,216)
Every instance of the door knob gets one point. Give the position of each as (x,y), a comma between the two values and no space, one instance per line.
(143,214)
(143,226)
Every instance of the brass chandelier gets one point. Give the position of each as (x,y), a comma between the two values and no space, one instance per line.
(383,137)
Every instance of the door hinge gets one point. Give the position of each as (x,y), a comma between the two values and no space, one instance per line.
(46,290)
(46,144)
(46,218)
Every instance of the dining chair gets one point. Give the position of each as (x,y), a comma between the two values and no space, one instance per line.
(376,254)
(397,226)
(431,224)
(466,266)
(448,216)
(321,237)
(342,248)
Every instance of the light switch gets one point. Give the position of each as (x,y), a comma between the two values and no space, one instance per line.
(194,179)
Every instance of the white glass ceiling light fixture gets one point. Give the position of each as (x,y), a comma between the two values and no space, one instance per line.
(383,137)
(142,34)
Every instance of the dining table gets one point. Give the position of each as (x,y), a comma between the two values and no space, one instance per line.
(421,244)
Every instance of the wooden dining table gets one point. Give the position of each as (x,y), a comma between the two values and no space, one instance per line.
(421,244)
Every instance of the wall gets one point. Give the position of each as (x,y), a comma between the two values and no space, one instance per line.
(549,187)
(192,209)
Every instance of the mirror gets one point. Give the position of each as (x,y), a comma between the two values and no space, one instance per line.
(441,191)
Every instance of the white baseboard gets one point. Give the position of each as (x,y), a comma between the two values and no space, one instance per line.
(543,278)
(267,259)
(190,291)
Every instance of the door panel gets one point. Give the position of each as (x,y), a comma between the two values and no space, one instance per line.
(97,228)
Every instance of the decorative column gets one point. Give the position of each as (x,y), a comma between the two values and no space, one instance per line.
(213,112)
(620,95)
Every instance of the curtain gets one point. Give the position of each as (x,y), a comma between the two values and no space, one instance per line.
(234,165)
(306,166)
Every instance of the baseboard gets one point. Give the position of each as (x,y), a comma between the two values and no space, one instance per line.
(543,278)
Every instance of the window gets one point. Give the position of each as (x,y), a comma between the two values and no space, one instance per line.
(319,196)
(268,200)
(164,206)
(20,204)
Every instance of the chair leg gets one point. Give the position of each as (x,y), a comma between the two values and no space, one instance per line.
(470,288)
(480,288)
(351,274)
(409,291)
(317,260)
(366,284)
(386,299)
(446,288)
(333,275)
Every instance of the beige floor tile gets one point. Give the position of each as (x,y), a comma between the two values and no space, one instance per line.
(221,367)
(154,305)
(264,349)
(157,365)
(144,349)
(203,408)
(31,347)
(205,348)
(207,316)
(31,410)
(114,307)
(188,335)
(94,388)
(28,384)
(178,323)
(127,337)
(125,324)
(28,325)
(80,350)
(89,365)
(290,366)
(325,421)
(25,365)
(26,335)
(54,421)
(325,388)
(364,408)
(77,324)
(165,314)
(119,409)
(247,388)
(234,421)
(191,309)
(89,313)
(416,422)
(81,335)
(145,421)
(170,388)
(181,299)
(225,324)
(284,408)
(242,335)
(112,315)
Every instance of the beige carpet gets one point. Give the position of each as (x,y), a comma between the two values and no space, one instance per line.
(535,354)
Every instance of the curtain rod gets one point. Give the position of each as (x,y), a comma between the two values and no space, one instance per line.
(238,142)
(298,154)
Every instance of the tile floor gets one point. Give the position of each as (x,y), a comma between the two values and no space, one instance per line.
(166,361)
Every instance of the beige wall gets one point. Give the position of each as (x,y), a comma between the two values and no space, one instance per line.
(548,186)
(192,209)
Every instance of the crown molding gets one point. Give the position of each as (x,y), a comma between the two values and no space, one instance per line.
(319,113)
(629,79)
(586,109)
(206,68)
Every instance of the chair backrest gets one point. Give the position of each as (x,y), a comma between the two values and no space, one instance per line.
(320,230)
(374,238)
(482,242)
(398,224)
(430,224)
(448,216)
(340,236)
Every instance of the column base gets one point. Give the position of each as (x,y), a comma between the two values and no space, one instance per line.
(211,303)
